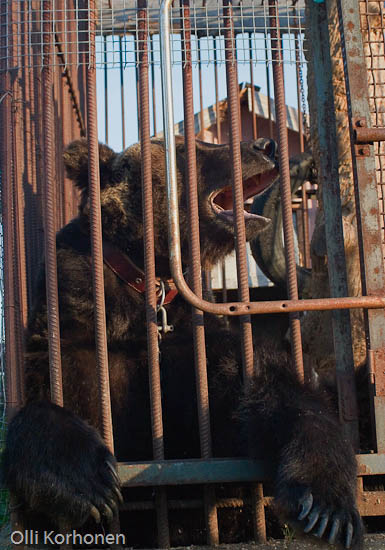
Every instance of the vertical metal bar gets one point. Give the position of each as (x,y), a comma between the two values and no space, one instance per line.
(218,123)
(326,131)
(201,114)
(96,235)
(305,210)
(122,93)
(365,185)
(268,89)
(152,57)
(105,89)
(253,113)
(236,163)
(11,359)
(195,267)
(283,145)
(149,260)
(240,234)
(49,210)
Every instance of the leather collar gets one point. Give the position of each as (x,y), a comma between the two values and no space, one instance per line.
(133,276)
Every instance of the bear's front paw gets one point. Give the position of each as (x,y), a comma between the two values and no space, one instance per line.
(58,466)
(336,523)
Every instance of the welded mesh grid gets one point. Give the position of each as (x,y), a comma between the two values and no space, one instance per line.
(23,33)
(373,27)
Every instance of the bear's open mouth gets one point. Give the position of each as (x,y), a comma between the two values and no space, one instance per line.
(222,200)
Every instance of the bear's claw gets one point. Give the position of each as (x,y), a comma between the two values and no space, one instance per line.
(318,519)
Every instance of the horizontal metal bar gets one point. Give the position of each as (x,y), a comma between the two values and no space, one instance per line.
(189,472)
(369,135)
(371,503)
(371,464)
(218,470)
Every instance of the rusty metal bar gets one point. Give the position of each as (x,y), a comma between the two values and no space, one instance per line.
(368,223)
(49,211)
(235,133)
(96,236)
(235,152)
(195,267)
(122,93)
(326,131)
(284,170)
(305,210)
(253,113)
(11,358)
(149,264)
(218,121)
(368,135)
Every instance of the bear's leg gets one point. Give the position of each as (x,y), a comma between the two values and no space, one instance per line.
(315,486)
(56,465)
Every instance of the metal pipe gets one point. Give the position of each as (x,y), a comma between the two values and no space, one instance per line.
(149,265)
(232,308)
(284,169)
(153,83)
(195,268)
(201,117)
(105,89)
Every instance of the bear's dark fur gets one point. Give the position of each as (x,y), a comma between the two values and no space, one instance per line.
(56,465)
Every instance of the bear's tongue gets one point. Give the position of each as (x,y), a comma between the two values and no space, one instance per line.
(252,186)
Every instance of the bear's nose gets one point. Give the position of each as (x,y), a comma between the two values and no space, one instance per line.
(267,146)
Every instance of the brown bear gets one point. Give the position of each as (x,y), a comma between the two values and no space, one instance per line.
(55,463)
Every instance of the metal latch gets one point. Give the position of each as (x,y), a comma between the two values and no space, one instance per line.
(364,136)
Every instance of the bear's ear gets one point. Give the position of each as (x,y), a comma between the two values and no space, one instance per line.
(76,163)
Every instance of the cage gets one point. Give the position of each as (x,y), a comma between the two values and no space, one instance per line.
(308,74)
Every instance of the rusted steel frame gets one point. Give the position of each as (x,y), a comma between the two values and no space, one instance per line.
(49,211)
(328,168)
(368,135)
(284,170)
(224,283)
(235,136)
(268,89)
(96,235)
(149,265)
(121,71)
(218,121)
(195,267)
(253,113)
(305,210)
(365,185)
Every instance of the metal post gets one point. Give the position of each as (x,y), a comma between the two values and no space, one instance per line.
(368,223)
(149,259)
